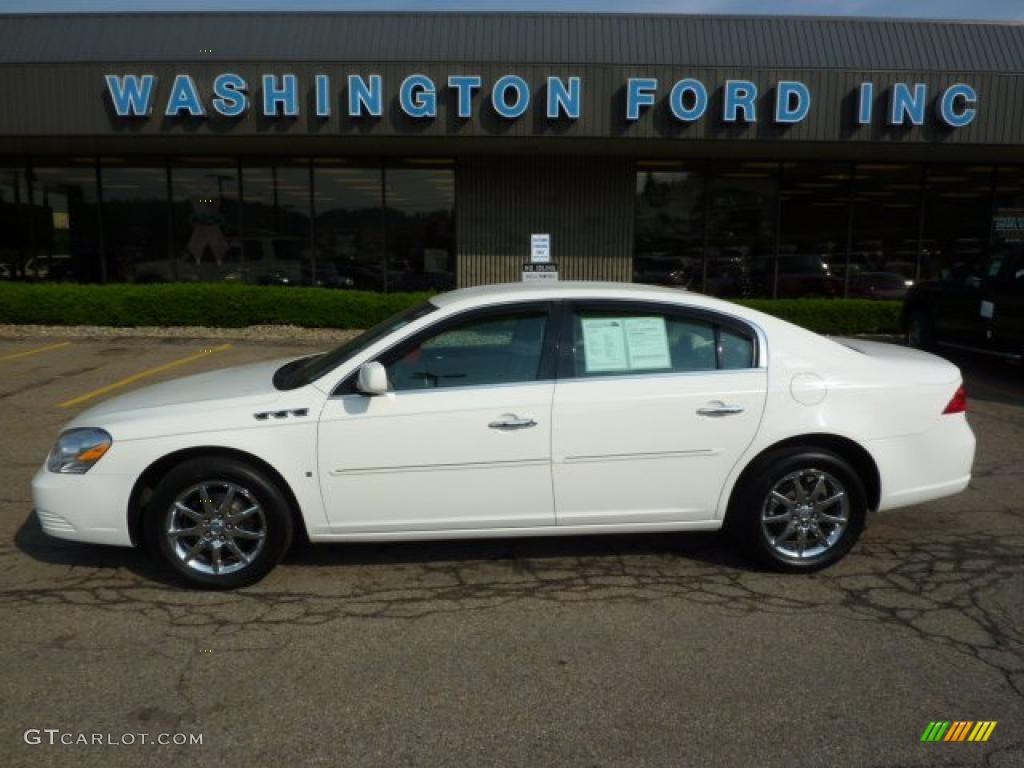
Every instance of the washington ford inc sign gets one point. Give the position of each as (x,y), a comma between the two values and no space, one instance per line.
(688,99)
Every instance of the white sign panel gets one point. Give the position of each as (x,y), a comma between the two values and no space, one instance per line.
(625,344)
(540,248)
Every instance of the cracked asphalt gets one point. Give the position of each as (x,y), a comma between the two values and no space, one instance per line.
(622,650)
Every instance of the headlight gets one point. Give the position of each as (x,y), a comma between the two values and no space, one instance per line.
(77,450)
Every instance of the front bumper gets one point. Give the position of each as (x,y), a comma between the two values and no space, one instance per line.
(90,507)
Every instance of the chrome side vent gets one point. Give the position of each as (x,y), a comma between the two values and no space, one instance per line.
(265,415)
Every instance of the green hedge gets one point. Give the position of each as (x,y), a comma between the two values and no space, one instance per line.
(235,306)
(212,304)
(834,316)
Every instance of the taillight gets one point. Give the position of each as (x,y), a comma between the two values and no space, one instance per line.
(958,403)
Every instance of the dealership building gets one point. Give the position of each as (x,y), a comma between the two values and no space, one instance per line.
(401,151)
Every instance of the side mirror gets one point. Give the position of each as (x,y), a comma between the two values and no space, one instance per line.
(373,379)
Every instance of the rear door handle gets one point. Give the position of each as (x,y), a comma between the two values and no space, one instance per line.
(511,421)
(717,408)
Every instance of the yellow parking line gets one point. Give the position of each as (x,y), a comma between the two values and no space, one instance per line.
(141,375)
(36,351)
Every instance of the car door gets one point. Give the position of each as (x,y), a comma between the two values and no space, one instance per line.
(653,407)
(1004,293)
(461,441)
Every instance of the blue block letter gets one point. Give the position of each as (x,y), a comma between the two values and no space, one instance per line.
(639,93)
(740,95)
(562,98)
(184,96)
(792,101)
(499,95)
(906,104)
(229,92)
(417,96)
(953,116)
(464,86)
(363,98)
(677,99)
(131,94)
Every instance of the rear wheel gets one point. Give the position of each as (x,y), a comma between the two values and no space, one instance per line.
(218,523)
(799,510)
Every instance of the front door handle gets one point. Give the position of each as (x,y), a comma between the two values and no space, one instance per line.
(717,408)
(511,421)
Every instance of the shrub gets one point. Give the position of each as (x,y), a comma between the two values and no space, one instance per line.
(235,306)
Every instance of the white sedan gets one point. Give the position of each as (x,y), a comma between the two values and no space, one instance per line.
(520,410)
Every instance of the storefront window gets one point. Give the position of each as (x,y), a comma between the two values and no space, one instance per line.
(64,241)
(420,223)
(669,225)
(957,219)
(14,221)
(205,220)
(276,215)
(349,225)
(1008,210)
(886,219)
(814,221)
(741,229)
(135,223)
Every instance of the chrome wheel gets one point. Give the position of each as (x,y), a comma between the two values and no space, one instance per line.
(216,527)
(805,514)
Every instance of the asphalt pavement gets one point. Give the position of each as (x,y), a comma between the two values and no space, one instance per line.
(654,650)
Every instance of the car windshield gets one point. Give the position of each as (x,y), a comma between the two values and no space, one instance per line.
(300,372)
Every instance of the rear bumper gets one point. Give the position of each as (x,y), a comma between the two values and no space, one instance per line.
(927,466)
(89,507)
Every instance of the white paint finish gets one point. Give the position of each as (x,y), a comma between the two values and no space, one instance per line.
(634,448)
(808,389)
(629,454)
(412,459)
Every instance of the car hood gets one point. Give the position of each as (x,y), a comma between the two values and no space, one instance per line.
(249,384)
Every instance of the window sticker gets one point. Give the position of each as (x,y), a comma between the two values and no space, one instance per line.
(625,344)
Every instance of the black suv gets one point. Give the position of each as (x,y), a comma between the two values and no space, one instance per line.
(980,310)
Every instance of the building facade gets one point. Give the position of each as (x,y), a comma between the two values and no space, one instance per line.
(740,156)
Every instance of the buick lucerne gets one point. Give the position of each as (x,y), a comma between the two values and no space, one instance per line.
(520,410)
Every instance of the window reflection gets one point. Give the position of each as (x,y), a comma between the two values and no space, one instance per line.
(349,226)
(135,219)
(741,229)
(14,222)
(886,207)
(957,219)
(205,214)
(64,241)
(275,247)
(420,220)
(814,220)
(669,225)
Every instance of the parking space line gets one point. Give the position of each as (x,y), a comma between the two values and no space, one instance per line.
(141,375)
(35,351)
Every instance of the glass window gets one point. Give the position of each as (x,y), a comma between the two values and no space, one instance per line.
(64,217)
(420,216)
(741,229)
(489,350)
(669,225)
(135,219)
(886,210)
(1008,215)
(957,219)
(814,220)
(611,342)
(205,212)
(735,349)
(349,226)
(14,220)
(276,224)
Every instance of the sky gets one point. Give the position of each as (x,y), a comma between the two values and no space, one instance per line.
(945,9)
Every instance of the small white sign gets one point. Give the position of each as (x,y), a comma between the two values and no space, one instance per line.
(540,248)
(988,310)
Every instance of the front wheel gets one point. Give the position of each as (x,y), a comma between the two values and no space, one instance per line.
(218,523)
(799,510)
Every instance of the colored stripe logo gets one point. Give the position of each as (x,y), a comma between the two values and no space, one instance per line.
(958,730)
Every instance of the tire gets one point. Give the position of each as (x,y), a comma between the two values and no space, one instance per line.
(226,546)
(770,527)
(920,330)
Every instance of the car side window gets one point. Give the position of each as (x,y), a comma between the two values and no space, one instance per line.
(495,349)
(625,343)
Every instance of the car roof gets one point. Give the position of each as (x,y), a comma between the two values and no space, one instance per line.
(548,290)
